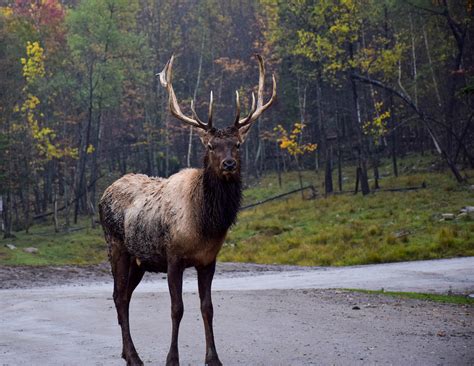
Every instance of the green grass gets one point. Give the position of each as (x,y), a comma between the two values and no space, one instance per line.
(336,230)
(448,299)
(85,246)
(349,230)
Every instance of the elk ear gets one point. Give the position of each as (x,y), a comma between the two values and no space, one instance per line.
(204,136)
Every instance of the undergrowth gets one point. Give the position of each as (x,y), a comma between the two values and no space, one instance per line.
(351,229)
(336,230)
(80,245)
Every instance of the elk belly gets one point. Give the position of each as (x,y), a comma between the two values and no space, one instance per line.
(144,238)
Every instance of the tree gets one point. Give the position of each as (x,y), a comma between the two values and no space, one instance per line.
(102,39)
(368,79)
(292,142)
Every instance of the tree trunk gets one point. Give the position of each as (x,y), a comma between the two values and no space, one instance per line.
(361,156)
(325,147)
(96,152)
(364,180)
(376,173)
(91,209)
(300,177)
(339,169)
(394,153)
(25,202)
(85,140)
(67,190)
(278,163)
(356,189)
(196,88)
(55,209)
(7,215)
(328,171)
(462,146)
(413,58)
(433,76)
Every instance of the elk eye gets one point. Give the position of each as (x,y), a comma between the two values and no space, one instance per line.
(237,145)
(210,147)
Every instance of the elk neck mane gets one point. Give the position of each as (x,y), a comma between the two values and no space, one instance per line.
(217,201)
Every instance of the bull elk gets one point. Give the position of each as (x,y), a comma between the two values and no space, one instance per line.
(167,225)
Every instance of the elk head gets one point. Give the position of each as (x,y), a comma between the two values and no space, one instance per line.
(222,145)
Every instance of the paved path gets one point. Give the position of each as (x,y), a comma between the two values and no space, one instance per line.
(286,322)
(437,276)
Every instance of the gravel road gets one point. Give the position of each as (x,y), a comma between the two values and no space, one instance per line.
(264,315)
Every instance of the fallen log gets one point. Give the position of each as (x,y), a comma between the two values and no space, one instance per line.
(423,185)
(311,187)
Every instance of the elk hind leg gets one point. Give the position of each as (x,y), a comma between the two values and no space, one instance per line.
(127,275)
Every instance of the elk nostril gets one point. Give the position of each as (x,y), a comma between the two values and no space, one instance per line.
(229,164)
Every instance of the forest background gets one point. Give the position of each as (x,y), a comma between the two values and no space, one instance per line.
(361,84)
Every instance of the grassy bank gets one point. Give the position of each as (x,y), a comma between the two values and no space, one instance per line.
(349,230)
(446,299)
(80,245)
(336,230)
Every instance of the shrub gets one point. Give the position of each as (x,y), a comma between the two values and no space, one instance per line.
(446,237)
(391,239)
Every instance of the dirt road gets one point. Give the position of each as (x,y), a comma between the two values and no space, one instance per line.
(288,323)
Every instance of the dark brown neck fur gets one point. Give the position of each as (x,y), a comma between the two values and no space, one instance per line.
(221,200)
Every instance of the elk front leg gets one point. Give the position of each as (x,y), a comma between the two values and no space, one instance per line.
(205,276)
(175,285)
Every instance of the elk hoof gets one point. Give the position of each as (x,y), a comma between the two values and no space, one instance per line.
(172,360)
(132,360)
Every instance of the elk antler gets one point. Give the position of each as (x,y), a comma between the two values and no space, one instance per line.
(256,110)
(165,80)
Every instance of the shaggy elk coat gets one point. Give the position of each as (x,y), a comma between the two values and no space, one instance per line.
(166,225)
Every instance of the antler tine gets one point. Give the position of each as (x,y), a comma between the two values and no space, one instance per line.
(253,104)
(237,105)
(244,121)
(162,74)
(260,108)
(211,110)
(198,120)
(165,80)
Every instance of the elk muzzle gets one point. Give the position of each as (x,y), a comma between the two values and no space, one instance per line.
(229,165)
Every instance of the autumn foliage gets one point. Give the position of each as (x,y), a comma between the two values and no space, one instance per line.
(80,103)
